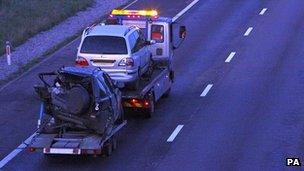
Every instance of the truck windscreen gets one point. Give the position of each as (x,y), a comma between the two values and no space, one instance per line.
(104,45)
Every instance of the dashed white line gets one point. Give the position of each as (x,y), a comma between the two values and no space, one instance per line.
(263,11)
(207,89)
(15,152)
(174,133)
(248,31)
(185,10)
(230,57)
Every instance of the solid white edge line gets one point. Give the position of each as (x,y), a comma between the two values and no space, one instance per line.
(20,148)
(15,152)
(231,55)
(206,90)
(184,10)
(263,11)
(248,31)
(174,133)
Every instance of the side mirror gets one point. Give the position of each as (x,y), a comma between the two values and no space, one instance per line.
(182,32)
(150,42)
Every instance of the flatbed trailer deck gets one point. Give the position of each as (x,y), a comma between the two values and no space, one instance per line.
(76,143)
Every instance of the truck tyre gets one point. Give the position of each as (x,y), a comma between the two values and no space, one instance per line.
(167,93)
(148,113)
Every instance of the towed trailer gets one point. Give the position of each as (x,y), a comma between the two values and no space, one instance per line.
(76,143)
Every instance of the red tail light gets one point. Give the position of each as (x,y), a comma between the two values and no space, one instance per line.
(80,61)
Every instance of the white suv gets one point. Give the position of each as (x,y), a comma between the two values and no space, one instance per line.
(119,50)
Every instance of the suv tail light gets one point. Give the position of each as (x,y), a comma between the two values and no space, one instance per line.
(126,62)
(80,61)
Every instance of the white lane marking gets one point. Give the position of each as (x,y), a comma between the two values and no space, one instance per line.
(15,152)
(206,91)
(174,133)
(130,4)
(263,11)
(230,57)
(185,10)
(248,31)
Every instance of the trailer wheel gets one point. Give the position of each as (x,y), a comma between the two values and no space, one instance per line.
(109,148)
(148,113)
(115,143)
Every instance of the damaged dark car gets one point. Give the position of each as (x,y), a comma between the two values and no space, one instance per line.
(79,99)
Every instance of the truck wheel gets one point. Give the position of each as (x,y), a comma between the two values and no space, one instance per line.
(167,93)
(150,111)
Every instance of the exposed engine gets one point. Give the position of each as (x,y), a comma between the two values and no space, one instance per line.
(72,105)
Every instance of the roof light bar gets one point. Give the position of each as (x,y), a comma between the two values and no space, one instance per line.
(146,13)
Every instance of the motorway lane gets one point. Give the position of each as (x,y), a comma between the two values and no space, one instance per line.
(253,118)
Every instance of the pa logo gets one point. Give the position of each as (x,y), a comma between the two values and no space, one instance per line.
(293,162)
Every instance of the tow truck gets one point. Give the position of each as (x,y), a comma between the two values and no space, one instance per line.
(160,32)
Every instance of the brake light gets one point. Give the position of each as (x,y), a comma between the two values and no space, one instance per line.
(80,61)
(126,62)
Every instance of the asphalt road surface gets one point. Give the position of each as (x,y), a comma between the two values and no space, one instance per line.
(238,95)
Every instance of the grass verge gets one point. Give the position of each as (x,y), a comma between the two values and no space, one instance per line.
(22,19)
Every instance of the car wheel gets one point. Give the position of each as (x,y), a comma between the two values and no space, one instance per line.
(135,84)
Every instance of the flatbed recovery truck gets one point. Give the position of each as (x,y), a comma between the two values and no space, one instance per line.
(158,30)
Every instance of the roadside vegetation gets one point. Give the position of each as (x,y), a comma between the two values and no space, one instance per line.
(22,19)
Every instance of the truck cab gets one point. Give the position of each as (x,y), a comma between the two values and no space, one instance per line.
(158,30)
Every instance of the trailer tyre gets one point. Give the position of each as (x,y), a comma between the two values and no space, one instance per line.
(115,143)
(109,148)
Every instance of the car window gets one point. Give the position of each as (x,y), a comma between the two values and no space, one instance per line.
(157,33)
(140,40)
(104,45)
(132,41)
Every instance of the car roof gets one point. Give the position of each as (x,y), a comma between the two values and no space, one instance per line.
(109,30)
(81,71)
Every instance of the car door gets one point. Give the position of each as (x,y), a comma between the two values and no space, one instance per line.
(115,93)
(140,50)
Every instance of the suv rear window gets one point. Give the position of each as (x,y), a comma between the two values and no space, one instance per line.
(104,45)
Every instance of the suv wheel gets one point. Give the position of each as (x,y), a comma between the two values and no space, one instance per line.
(135,84)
